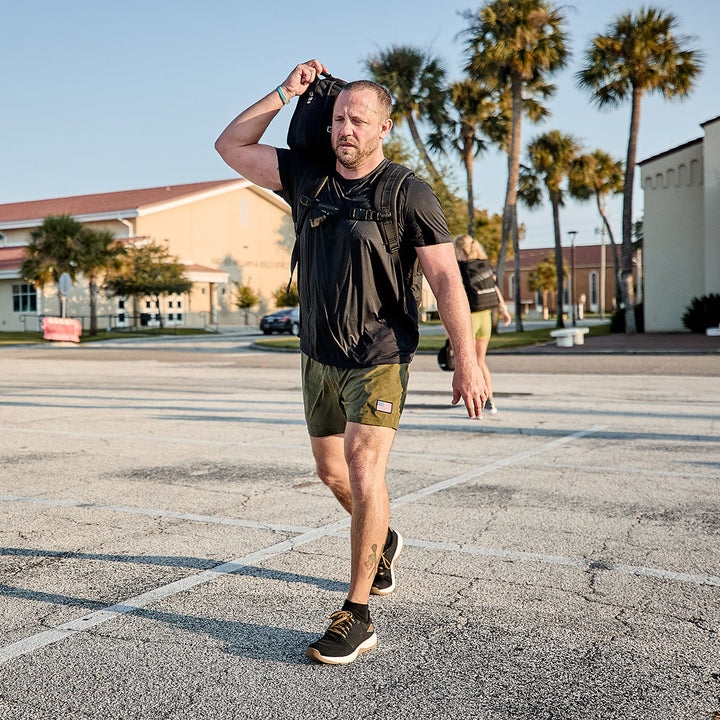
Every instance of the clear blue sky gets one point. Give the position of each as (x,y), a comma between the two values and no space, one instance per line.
(104,96)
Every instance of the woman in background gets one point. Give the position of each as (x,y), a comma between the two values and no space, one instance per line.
(483,295)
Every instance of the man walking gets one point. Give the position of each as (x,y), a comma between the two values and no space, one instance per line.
(359,320)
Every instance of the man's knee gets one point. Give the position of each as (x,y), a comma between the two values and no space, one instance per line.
(366,451)
(330,462)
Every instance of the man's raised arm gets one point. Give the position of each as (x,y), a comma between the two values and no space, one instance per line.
(239,144)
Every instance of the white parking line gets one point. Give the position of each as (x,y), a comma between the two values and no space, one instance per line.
(586,564)
(210,519)
(146,438)
(42,639)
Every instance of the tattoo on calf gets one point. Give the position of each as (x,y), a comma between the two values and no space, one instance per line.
(372,561)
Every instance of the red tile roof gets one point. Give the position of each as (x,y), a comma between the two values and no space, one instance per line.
(103,202)
(193,267)
(11,258)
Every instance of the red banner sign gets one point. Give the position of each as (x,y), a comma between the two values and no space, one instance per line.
(66,329)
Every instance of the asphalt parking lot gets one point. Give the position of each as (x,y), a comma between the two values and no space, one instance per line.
(168,552)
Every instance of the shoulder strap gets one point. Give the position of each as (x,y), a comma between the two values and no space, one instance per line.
(385,213)
(306,202)
(386,197)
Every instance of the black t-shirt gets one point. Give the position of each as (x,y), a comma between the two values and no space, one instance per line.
(356,306)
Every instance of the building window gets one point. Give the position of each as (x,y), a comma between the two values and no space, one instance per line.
(122,317)
(175,305)
(24,298)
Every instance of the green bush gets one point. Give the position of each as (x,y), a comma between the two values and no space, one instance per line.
(617,323)
(285,297)
(702,313)
(246,296)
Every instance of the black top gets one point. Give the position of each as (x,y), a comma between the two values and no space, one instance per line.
(356,306)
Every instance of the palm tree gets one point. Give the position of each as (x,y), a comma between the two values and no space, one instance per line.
(416,81)
(53,250)
(534,109)
(598,175)
(99,251)
(551,156)
(514,44)
(638,54)
(475,108)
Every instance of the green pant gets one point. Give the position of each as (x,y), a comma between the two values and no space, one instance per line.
(335,396)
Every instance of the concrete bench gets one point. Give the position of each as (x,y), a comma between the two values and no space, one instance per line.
(567,337)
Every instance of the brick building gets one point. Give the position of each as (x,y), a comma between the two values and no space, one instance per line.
(589,272)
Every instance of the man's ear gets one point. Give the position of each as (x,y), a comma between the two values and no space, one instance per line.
(385,128)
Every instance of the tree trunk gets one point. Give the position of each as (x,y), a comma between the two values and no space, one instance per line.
(558,261)
(92,289)
(627,248)
(518,293)
(513,175)
(434,174)
(157,305)
(468,161)
(613,244)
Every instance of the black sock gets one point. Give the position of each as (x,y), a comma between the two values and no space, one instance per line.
(362,612)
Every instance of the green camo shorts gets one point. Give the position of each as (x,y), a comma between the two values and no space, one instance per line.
(335,396)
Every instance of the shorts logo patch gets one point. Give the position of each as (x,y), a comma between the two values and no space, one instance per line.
(383,406)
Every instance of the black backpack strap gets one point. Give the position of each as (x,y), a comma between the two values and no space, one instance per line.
(307,202)
(384,214)
(386,200)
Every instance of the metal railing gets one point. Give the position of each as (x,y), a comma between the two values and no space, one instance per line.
(116,322)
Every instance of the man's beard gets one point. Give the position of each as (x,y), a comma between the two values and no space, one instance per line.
(355,160)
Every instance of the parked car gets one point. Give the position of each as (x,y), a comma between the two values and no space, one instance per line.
(286,320)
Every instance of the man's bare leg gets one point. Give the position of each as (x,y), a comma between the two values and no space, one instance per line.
(366,451)
(332,468)
(353,465)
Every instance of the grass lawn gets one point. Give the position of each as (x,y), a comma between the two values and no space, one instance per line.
(14,338)
(433,343)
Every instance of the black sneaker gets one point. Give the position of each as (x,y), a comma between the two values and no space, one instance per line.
(344,640)
(384,582)
(490,406)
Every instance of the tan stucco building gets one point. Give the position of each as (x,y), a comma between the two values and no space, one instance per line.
(681,227)
(223,232)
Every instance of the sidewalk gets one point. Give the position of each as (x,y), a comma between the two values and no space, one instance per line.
(640,344)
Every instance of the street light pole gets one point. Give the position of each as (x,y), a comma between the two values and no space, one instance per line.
(572,234)
(602,273)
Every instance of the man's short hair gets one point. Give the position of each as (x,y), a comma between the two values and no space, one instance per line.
(383,96)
